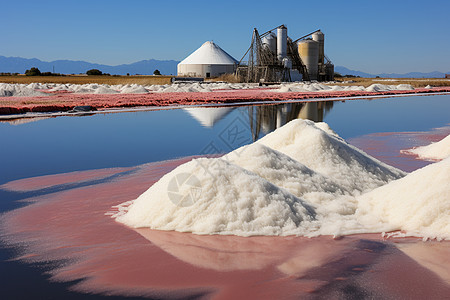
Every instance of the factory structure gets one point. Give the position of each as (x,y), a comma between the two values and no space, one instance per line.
(278,58)
(272,57)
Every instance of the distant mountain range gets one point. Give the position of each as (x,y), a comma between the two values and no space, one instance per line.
(143,67)
(147,67)
(344,71)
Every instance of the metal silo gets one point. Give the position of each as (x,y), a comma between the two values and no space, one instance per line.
(281,42)
(320,38)
(309,53)
(270,42)
(329,71)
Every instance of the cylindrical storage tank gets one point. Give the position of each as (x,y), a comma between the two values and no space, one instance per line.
(270,42)
(329,70)
(287,63)
(320,38)
(281,42)
(309,53)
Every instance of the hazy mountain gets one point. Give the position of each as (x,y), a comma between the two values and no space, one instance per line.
(146,67)
(143,67)
(345,71)
(434,74)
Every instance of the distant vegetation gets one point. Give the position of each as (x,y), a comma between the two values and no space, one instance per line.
(36,72)
(83,79)
(33,72)
(156,72)
(94,72)
(339,75)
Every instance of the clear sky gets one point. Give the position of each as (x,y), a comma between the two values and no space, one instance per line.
(370,36)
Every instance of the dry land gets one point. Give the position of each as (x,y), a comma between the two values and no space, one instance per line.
(415,82)
(152,79)
(84,79)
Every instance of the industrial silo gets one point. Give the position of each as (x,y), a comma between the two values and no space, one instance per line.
(207,61)
(281,42)
(309,53)
(270,42)
(320,38)
(329,71)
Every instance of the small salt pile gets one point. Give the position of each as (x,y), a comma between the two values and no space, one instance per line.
(434,151)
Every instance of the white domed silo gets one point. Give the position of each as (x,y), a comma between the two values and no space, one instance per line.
(320,38)
(281,42)
(207,61)
(309,53)
(270,42)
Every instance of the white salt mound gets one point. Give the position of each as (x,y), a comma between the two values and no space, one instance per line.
(328,154)
(418,204)
(133,89)
(304,87)
(225,200)
(302,179)
(18,90)
(8,90)
(283,171)
(434,151)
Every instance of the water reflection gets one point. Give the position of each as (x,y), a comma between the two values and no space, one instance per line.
(265,118)
(208,116)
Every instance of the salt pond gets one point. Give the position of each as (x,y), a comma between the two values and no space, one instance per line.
(68,144)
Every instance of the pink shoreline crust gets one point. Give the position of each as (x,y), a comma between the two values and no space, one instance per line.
(66,101)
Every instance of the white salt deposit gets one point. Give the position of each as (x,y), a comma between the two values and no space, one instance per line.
(307,87)
(325,194)
(418,204)
(258,190)
(283,171)
(133,89)
(225,200)
(18,90)
(21,90)
(328,154)
(434,151)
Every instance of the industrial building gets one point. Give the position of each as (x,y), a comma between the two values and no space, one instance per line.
(207,61)
(272,57)
(278,58)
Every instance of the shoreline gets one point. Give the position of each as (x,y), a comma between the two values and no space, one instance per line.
(64,102)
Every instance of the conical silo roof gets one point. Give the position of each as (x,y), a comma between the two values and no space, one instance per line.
(209,54)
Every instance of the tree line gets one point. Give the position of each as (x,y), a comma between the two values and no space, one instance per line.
(92,72)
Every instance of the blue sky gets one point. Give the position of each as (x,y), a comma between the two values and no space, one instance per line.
(370,36)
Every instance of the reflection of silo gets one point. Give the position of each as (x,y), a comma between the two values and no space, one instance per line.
(270,42)
(310,111)
(320,38)
(281,42)
(309,53)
